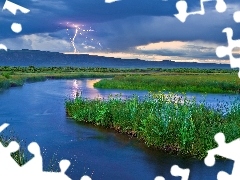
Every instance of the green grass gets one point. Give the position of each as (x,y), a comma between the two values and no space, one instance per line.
(154,79)
(167,122)
(178,82)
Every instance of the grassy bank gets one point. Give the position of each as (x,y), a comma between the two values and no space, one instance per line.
(209,83)
(153,79)
(169,123)
(18,79)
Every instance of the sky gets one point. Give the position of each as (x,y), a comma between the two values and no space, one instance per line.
(143,29)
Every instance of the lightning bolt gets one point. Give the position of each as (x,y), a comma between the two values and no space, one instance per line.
(73,39)
(88,42)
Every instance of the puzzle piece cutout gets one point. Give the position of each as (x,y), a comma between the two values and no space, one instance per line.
(12,7)
(7,162)
(228,150)
(182,7)
(85,178)
(177,171)
(33,169)
(3,126)
(35,164)
(222,51)
(111,1)
(236,16)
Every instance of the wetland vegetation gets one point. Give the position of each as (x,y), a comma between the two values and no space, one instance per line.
(177,82)
(169,122)
(152,79)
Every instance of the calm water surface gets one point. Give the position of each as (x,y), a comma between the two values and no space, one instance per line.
(36,113)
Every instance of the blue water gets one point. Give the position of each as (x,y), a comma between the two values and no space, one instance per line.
(36,112)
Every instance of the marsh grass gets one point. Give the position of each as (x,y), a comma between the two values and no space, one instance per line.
(206,83)
(171,123)
(153,79)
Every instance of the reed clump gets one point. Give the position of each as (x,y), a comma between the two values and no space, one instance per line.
(168,122)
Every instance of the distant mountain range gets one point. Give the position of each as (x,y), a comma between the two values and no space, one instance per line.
(38,58)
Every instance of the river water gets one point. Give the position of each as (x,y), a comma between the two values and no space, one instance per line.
(36,112)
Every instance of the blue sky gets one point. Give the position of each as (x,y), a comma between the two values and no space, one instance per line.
(144,29)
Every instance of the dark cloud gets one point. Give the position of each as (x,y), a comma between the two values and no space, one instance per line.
(122,25)
(46,16)
(126,33)
(163,52)
(187,52)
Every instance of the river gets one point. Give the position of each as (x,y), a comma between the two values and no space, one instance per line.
(36,112)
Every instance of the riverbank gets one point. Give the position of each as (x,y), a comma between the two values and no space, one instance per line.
(167,122)
(152,79)
(17,76)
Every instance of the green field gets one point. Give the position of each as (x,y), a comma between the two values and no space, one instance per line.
(175,82)
(152,79)
(17,76)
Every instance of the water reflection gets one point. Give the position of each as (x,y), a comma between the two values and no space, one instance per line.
(84,87)
(75,89)
(91,82)
(108,154)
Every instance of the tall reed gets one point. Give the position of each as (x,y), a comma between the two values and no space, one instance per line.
(168,122)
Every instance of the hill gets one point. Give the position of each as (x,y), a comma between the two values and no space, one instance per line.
(38,58)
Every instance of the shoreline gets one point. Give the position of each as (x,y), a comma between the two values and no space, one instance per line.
(151,79)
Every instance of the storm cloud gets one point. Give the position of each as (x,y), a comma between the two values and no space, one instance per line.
(117,27)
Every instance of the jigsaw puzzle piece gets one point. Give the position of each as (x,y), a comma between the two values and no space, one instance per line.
(222,51)
(35,165)
(236,16)
(87,178)
(182,11)
(5,125)
(182,7)
(177,171)
(30,173)
(221,6)
(2,46)
(223,176)
(12,7)
(159,178)
(7,163)
(227,150)
(64,165)
(111,1)
(33,169)
(234,176)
